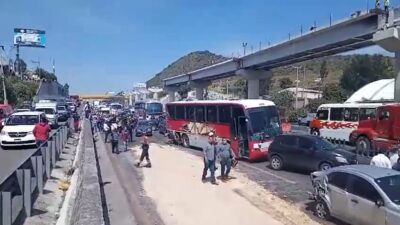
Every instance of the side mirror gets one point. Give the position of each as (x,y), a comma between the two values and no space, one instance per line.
(379,203)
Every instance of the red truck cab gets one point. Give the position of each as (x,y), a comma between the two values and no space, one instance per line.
(380,133)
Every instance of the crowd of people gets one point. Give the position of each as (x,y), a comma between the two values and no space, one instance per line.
(118,129)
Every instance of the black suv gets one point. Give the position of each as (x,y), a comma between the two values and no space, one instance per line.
(307,152)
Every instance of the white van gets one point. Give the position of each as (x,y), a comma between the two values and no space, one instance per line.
(50,109)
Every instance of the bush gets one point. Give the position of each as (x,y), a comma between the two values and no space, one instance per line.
(294,114)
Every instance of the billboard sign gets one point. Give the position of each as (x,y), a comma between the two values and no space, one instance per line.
(29,37)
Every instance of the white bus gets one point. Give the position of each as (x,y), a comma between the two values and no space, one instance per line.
(337,121)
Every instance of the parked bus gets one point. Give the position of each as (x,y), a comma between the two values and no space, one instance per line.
(337,121)
(150,109)
(250,125)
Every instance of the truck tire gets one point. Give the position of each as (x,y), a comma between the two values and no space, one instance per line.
(363,145)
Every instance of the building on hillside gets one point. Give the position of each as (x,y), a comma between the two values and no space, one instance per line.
(303,95)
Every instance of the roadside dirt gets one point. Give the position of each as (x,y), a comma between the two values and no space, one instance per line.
(174,184)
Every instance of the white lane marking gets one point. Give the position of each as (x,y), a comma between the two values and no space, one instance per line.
(269,173)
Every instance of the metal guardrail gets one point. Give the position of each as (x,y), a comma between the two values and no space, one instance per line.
(20,189)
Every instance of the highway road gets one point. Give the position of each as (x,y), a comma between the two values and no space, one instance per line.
(12,158)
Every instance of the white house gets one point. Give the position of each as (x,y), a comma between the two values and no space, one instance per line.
(303,95)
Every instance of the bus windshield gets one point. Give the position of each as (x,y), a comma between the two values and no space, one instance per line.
(154,108)
(264,122)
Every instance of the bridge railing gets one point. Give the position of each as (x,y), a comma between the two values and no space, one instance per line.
(21,188)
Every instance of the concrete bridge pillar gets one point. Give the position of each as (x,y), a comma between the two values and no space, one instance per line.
(389,39)
(171,93)
(253,78)
(199,87)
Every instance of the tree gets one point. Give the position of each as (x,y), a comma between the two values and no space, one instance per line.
(22,65)
(323,72)
(283,99)
(285,83)
(332,93)
(364,69)
(44,74)
(313,104)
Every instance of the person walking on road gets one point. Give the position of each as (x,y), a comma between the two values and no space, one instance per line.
(114,141)
(125,137)
(41,131)
(145,152)
(209,153)
(76,122)
(87,110)
(107,130)
(225,155)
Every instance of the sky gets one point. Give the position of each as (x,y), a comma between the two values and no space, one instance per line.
(109,45)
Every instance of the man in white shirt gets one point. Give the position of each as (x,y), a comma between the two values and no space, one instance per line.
(381,160)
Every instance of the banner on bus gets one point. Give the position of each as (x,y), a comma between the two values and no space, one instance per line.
(29,37)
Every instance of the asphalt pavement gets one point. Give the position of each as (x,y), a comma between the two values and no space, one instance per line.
(12,158)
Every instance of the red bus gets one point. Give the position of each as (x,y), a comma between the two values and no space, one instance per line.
(250,125)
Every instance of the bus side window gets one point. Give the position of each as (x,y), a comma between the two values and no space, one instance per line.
(367,113)
(190,115)
(322,114)
(212,113)
(199,114)
(171,111)
(336,114)
(225,114)
(180,112)
(351,114)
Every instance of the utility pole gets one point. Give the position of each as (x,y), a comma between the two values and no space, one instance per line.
(297,84)
(18,61)
(3,76)
(244,45)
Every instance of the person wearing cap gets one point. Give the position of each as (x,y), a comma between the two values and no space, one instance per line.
(209,153)
(225,155)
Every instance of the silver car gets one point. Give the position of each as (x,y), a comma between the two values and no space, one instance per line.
(358,194)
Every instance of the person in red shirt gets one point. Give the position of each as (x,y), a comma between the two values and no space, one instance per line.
(42,132)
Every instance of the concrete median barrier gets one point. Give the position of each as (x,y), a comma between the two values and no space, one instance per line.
(82,204)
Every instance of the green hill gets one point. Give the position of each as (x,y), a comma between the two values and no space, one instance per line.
(187,63)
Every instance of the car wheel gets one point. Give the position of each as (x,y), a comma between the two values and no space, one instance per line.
(322,210)
(363,145)
(185,141)
(276,162)
(315,132)
(324,166)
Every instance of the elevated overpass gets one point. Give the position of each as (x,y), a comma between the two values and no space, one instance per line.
(362,29)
